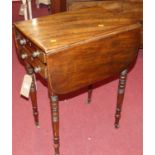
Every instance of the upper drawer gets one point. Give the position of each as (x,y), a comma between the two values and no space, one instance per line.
(35,51)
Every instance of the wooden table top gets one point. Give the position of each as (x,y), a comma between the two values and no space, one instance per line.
(63,30)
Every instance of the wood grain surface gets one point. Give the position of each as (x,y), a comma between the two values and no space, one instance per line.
(63,30)
(91,62)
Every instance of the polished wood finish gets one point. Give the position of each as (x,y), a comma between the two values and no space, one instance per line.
(132,7)
(114,53)
(120,97)
(78,48)
(76,27)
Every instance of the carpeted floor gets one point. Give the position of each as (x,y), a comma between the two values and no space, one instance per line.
(84,129)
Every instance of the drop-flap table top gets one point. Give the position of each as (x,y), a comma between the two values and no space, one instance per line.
(63,30)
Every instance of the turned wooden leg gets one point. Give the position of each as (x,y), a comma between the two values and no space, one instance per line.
(33,95)
(55,122)
(120,97)
(90,90)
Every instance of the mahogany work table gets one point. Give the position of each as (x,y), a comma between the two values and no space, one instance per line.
(76,49)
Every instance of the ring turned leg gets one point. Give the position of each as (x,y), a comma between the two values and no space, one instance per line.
(120,97)
(33,95)
(55,122)
(90,90)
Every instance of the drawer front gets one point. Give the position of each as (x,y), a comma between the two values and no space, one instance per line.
(38,66)
(35,51)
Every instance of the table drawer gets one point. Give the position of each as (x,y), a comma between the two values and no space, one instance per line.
(38,66)
(35,51)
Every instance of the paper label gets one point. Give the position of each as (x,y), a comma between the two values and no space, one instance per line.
(26,86)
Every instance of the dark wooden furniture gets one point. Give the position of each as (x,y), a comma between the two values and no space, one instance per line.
(75,49)
(62,5)
(128,6)
(58,6)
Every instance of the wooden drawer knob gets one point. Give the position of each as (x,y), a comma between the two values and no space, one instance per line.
(24,56)
(36,54)
(37,69)
(22,42)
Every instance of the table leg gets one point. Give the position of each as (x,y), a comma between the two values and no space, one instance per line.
(90,90)
(120,97)
(33,95)
(55,122)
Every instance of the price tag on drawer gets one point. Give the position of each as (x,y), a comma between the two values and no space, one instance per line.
(26,86)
